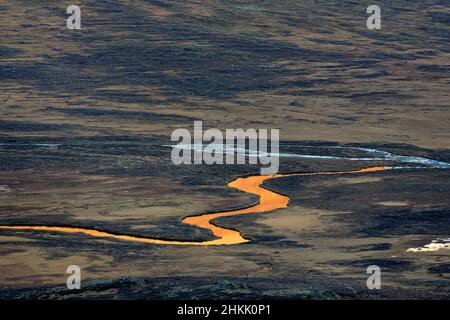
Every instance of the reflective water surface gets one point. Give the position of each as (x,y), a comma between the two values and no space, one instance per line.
(268,201)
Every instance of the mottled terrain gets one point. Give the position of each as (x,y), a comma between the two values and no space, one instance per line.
(84,115)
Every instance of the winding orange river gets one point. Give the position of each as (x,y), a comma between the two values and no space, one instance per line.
(268,201)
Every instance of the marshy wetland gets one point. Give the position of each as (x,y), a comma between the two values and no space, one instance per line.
(86,116)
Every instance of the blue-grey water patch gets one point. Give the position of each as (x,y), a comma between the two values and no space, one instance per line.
(378,155)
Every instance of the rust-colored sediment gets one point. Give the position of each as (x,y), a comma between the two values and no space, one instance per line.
(268,201)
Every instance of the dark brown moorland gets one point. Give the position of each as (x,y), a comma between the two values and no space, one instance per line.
(85,115)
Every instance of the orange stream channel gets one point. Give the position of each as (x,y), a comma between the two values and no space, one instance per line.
(268,201)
